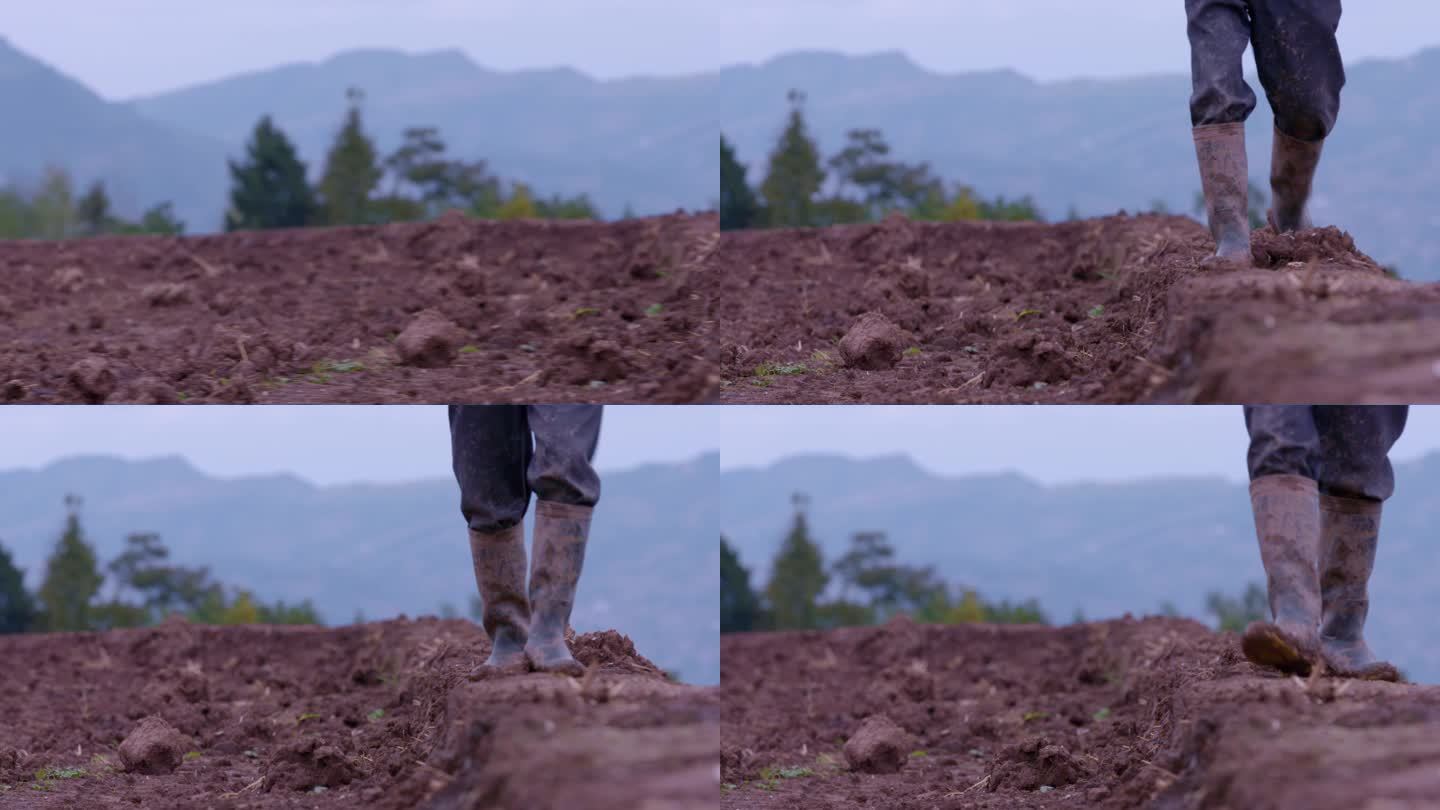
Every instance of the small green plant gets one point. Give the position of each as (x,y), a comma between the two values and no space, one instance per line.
(376,715)
(191,755)
(780,369)
(723,786)
(59,773)
(469,349)
(913,351)
(794,773)
(584,311)
(306,716)
(1025,313)
(654,309)
(1102,714)
(918,755)
(1096,311)
(1030,716)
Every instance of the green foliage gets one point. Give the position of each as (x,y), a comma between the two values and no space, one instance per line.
(1232,613)
(739,208)
(18,613)
(795,175)
(351,171)
(520,205)
(798,577)
(269,189)
(739,606)
(868,185)
(72,577)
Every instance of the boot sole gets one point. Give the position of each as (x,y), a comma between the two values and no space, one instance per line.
(1266,646)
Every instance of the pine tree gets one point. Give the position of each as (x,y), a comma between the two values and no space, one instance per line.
(795,175)
(739,607)
(72,578)
(270,189)
(352,171)
(17,606)
(738,207)
(92,212)
(798,577)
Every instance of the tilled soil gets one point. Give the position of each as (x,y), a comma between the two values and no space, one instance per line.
(1159,713)
(1112,310)
(456,310)
(375,715)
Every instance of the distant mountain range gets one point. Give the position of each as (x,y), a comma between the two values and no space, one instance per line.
(1104,549)
(652,570)
(1105,145)
(646,143)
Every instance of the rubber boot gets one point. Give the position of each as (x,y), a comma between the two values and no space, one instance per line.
(1225,181)
(1351,529)
(1292,172)
(561,532)
(499,559)
(1287,523)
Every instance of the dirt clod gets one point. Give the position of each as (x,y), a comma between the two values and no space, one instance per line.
(430,341)
(307,763)
(1034,763)
(878,746)
(165,294)
(873,343)
(154,747)
(93,378)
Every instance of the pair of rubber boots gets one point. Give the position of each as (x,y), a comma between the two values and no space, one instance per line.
(1318,552)
(528,631)
(1225,182)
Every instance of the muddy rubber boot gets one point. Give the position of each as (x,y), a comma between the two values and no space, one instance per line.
(1351,529)
(1225,181)
(499,559)
(1292,171)
(561,532)
(1287,523)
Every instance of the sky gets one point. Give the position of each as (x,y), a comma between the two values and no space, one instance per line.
(138,47)
(1051,444)
(319,443)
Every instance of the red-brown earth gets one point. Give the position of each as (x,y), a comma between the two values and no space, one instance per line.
(455,310)
(1112,310)
(1159,713)
(375,715)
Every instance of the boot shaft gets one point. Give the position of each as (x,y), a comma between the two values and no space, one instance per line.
(1287,524)
(561,534)
(1351,532)
(1292,175)
(1224,181)
(499,561)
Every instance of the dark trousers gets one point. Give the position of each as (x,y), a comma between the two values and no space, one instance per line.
(1296,54)
(502,453)
(1345,449)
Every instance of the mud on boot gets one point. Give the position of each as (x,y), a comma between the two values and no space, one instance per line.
(1350,528)
(1292,173)
(1287,524)
(561,532)
(499,560)
(1225,182)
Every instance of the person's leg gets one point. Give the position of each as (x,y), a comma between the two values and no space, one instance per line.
(1285,500)
(1298,58)
(490,449)
(566,491)
(1355,480)
(1220,102)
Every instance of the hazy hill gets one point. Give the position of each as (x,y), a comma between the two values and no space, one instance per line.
(1102,548)
(648,143)
(52,119)
(1103,145)
(652,569)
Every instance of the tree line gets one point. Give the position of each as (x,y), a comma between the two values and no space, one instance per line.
(270,187)
(859,183)
(138,588)
(865,585)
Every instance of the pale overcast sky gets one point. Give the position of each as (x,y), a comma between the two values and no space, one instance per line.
(322,444)
(124,48)
(1051,444)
